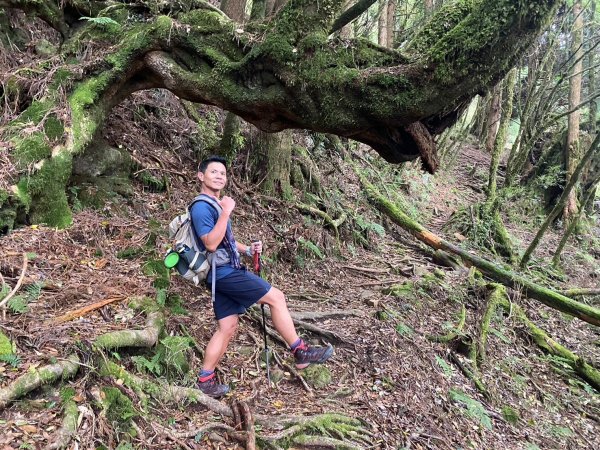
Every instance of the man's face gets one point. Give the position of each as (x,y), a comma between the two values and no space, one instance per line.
(214,177)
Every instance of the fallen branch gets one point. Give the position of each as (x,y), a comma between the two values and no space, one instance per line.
(515,281)
(33,380)
(580,292)
(545,342)
(317,315)
(85,310)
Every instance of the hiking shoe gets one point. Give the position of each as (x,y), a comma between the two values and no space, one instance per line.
(305,355)
(211,388)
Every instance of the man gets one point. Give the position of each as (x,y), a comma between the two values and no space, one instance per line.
(237,289)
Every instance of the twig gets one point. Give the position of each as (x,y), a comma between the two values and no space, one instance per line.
(16,288)
(85,310)
(379,283)
(367,269)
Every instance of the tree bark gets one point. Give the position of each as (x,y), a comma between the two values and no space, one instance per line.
(500,140)
(572,153)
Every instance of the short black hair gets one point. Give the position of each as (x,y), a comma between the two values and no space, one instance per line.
(211,159)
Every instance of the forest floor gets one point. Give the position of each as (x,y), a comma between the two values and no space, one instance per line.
(385,371)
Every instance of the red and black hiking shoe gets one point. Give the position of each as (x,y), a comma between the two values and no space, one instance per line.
(211,388)
(305,355)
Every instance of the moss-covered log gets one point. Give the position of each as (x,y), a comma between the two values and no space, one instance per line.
(44,375)
(546,343)
(278,74)
(508,278)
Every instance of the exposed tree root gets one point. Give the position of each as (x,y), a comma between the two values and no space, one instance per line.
(44,375)
(316,315)
(5,300)
(470,374)
(164,393)
(147,337)
(513,280)
(334,223)
(63,436)
(478,347)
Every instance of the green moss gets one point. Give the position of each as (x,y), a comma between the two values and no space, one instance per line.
(30,149)
(6,346)
(53,128)
(318,376)
(44,192)
(118,408)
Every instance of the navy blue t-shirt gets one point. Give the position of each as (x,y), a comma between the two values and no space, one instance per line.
(204,218)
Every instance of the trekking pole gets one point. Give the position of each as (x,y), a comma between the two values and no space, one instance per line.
(257,269)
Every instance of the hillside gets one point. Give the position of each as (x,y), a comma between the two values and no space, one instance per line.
(382,295)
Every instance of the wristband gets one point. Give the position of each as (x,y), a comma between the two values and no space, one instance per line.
(248,251)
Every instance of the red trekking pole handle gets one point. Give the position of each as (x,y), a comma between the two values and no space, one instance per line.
(257,264)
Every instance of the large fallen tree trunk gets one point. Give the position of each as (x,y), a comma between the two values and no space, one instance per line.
(508,278)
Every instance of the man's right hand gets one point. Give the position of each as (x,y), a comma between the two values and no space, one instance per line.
(227,203)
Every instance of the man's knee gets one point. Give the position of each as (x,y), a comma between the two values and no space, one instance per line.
(274,298)
(228,326)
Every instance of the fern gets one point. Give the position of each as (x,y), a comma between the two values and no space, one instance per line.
(18,304)
(33,291)
(474,408)
(11,359)
(102,21)
(143,364)
(444,365)
(312,247)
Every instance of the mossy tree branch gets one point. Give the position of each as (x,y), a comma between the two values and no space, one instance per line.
(280,74)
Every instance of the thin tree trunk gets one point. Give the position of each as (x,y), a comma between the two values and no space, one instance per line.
(391,22)
(572,144)
(561,201)
(347,31)
(501,135)
(592,81)
(493,119)
(382,35)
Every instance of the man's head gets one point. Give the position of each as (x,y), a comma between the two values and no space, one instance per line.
(214,158)
(212,173)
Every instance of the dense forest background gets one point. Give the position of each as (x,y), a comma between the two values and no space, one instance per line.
(424,176)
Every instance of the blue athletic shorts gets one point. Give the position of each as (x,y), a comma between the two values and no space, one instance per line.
(237,292)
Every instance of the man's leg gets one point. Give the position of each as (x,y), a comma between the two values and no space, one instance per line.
(214,352)
(217,346)
(280,315)
(304,354)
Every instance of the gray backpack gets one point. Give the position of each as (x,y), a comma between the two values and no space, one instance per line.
(185,255)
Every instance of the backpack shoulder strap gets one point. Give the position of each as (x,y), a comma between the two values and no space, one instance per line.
(202,198)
